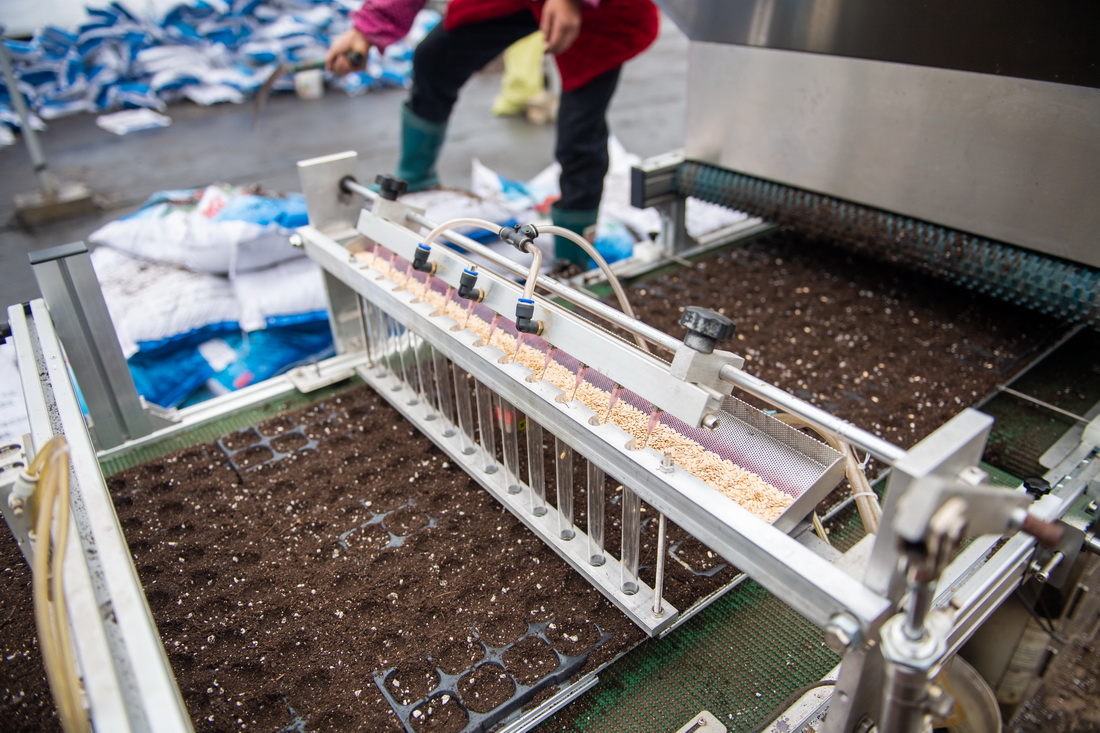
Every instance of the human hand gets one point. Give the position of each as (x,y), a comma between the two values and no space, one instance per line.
(347,53)
(561,24)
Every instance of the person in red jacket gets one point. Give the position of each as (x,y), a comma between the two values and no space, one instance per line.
(590,39)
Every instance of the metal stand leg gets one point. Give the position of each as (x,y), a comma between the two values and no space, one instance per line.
(75,300)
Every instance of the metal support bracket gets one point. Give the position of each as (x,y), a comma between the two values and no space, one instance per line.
(72,293)
(653,183)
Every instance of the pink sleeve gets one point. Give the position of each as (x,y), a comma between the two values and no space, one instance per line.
(383,22)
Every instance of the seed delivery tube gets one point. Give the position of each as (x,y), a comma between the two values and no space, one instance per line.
(465,410)
(563,463)
(536,468)
(595,515)
(632,529)
(444,390)
(486,435)
(509,430)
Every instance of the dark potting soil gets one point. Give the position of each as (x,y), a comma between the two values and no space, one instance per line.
(365,557)
(344,545)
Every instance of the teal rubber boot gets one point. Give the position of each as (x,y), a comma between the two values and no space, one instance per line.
(421,142)
(574,221)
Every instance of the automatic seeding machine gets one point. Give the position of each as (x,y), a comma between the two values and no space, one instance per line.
(949,156)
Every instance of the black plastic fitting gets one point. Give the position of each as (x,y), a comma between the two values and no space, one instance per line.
(467,286)
(390,187)
(525,312)
(705,328)
(1037,487)
(520,236)
(420,259)
(5,332)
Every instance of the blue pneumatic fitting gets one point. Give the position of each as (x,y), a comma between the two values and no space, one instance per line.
(525,312)
(467,286)
(420,259)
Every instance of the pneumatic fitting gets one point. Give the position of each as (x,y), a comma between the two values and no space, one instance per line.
(520,236)
(420,260)
(467,286)
(525,321)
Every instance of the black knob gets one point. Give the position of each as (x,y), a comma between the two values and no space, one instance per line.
(705,328)
(1037,487)
(390,187)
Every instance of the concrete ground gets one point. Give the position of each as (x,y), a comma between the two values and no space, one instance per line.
(211,144)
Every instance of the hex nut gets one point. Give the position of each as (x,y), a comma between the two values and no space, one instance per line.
(842,633)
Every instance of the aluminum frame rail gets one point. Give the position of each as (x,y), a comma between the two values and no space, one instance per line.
(804,580)
(128,682)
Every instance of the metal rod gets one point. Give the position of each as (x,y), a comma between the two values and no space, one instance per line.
(632,530)
(1047,405)
(509,432)
(485,433)
(817,417)
(465,410)
(364,330)
(563,463)
(536,468)
(587,302)
(922,592)
(659,578)
(595,515)
(38,158)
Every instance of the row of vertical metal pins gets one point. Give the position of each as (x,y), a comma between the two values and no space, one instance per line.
(443,389)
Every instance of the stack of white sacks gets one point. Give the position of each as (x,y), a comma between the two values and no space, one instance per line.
(206,292)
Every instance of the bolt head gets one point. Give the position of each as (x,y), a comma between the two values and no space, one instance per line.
(296,240)
(940,701)
(711,421)
(842,633)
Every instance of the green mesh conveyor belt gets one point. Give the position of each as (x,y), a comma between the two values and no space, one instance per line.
(1065,289)
(1069,379)
(739,659)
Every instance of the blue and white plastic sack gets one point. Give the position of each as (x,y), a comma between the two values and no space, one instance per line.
(237,321)
(206,51)
(221,229)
